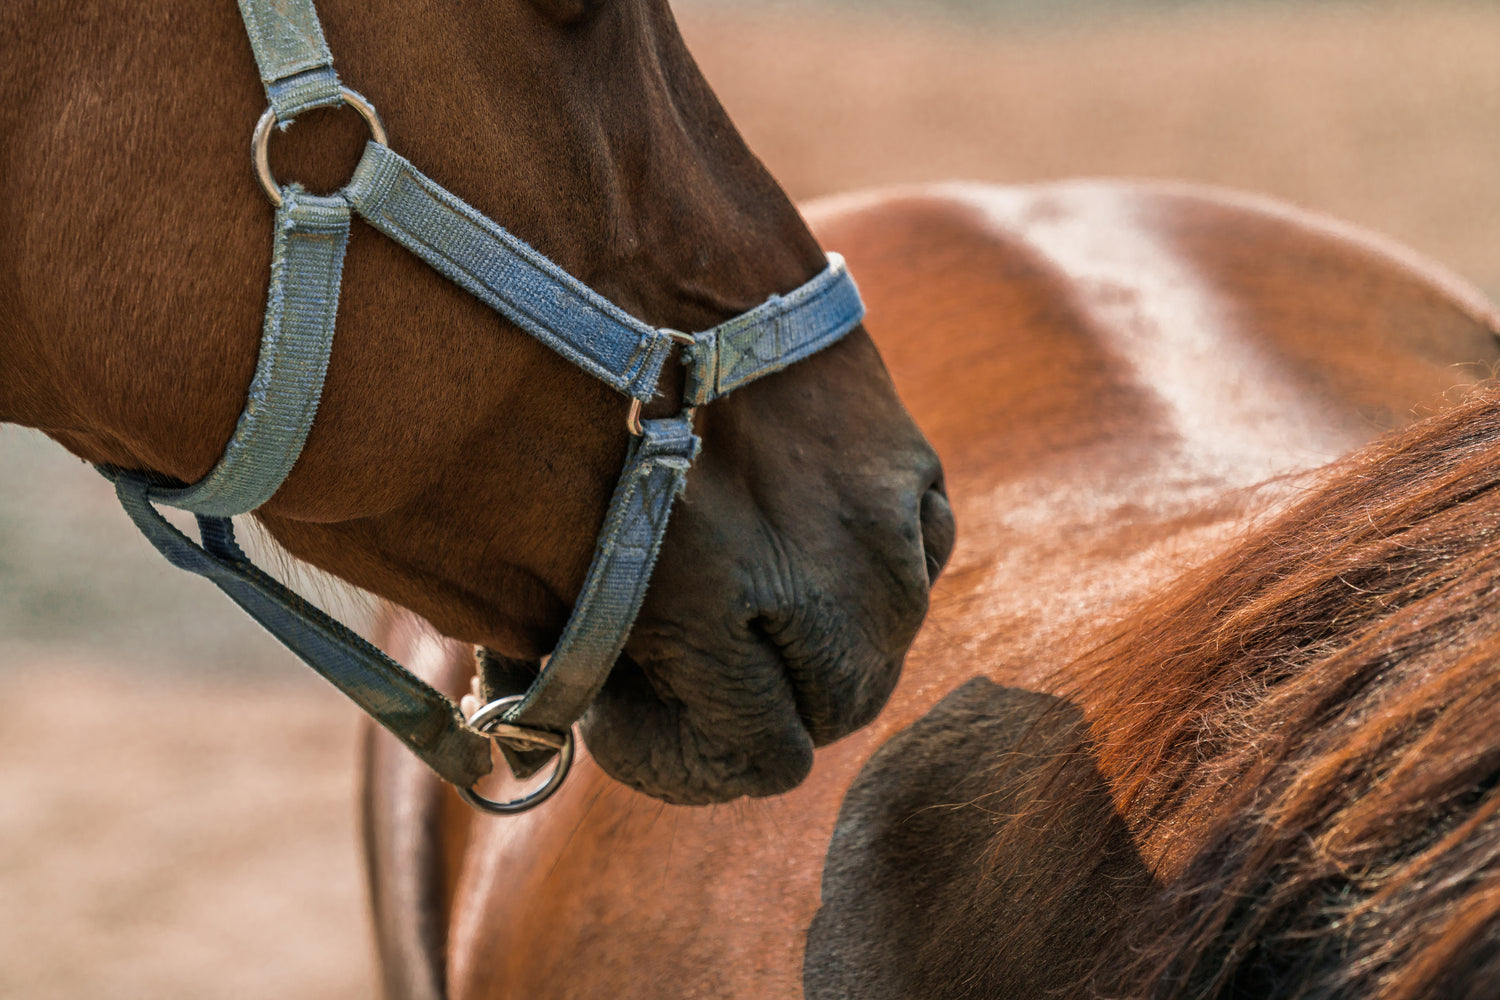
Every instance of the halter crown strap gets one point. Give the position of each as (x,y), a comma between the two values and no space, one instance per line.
(536,295)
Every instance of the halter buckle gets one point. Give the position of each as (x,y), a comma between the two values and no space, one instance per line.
(633,415)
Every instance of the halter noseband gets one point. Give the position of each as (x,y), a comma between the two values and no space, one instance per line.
(311,233)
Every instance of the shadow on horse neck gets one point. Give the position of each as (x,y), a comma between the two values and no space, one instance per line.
(1300,736)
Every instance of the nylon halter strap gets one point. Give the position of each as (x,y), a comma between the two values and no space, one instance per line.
(307,254)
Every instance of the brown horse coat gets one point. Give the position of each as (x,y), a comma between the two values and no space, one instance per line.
(1108,372)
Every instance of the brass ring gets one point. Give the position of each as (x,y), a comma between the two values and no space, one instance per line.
(260,139)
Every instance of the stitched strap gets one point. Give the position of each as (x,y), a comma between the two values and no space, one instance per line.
(295,64)
(507,274)
(779,332)
(655,473)
(307,262)
(416,713)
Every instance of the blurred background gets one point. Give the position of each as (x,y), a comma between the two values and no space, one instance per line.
(177,799)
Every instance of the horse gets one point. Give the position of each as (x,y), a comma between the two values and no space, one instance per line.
(135,282)
(1264,778)
(1067,349)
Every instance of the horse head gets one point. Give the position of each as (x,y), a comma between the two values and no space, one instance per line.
(457,466)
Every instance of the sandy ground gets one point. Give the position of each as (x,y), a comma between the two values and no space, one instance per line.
(176,837)
(177,802)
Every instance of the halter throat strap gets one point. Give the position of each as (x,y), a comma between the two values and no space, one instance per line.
(534,294)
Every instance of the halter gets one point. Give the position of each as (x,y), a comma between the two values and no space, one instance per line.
(307,255)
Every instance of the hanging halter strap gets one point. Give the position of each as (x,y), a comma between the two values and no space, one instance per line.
(307,255)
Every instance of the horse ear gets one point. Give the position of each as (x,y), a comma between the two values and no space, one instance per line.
(568,11)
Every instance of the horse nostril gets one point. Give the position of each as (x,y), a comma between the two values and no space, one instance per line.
(938,530)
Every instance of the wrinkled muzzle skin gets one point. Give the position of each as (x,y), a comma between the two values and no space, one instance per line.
(792,580)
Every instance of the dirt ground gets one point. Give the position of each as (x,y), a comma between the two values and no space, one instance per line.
(177,799)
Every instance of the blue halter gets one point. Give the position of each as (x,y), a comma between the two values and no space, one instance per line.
(307,256)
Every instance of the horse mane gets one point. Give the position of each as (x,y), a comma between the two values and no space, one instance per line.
(1303,735)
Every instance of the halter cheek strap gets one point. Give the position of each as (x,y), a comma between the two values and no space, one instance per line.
(311,233)
(307,263)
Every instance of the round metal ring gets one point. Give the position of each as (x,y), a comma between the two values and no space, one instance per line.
(490,718)
(260,139)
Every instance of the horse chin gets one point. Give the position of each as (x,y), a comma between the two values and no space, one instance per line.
(705,708)
(689,754)
(692,728)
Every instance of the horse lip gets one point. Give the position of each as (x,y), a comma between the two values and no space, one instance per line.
(831,689)
(938,530)
(799,689)
(699,768)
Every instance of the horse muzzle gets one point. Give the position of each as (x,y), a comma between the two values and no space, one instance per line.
(726,695)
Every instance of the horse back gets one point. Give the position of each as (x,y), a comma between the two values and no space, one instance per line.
(1021,323)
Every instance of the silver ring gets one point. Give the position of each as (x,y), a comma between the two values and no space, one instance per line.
(491,718)
(260,139)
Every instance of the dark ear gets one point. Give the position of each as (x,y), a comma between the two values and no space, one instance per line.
(568,11)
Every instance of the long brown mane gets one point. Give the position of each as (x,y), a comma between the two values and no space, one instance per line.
(1304,737)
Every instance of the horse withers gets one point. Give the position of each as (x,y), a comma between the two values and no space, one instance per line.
(797,566)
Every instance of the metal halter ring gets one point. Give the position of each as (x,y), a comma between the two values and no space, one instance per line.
(633,415)
(490,721)
(260,139)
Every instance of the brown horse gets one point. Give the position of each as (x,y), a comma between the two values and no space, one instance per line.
(1256,785)
(135,258)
